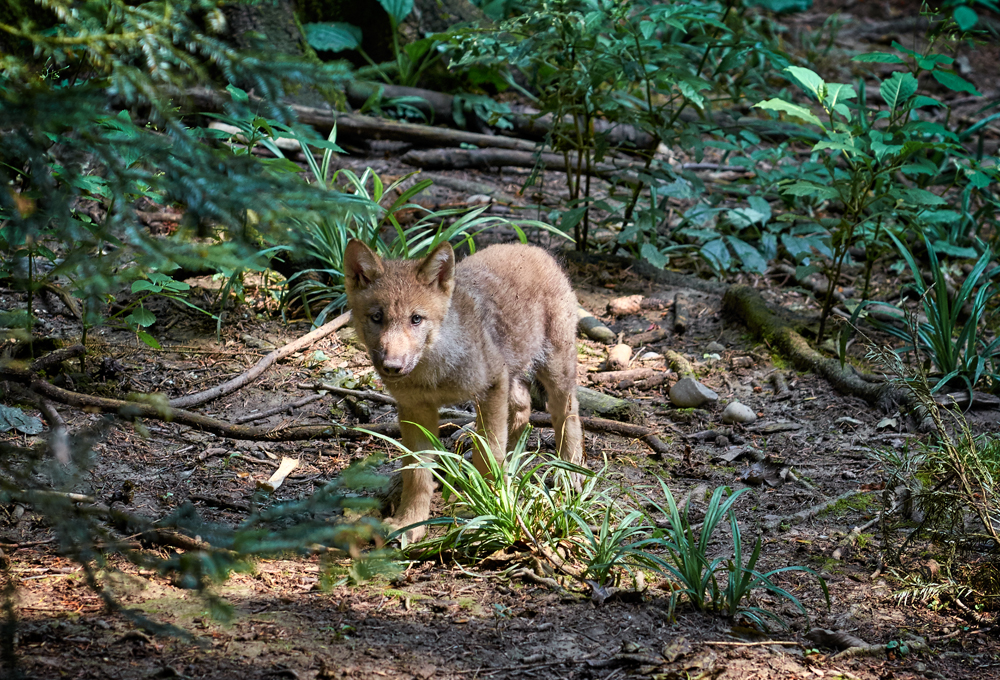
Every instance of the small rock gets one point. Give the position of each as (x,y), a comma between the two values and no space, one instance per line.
(714,347)
(738,413)
(689,393)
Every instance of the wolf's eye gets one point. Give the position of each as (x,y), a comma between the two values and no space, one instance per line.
(416,319)
(376,317)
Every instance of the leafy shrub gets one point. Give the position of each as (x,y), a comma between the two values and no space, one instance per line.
(878,164)
(952,480)
(639,64)
(75,162)
(688,562)
(531,497)
(958,348)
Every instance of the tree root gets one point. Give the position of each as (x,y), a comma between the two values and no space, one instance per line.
(158,410)
(747,304)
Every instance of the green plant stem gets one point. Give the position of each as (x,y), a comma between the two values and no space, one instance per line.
(870,258)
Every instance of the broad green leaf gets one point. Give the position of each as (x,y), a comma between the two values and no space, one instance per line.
(653,255)
(923,100)
(794,110)
(837,93)
(760,204)
(897,89)
(781,6)
(148,339)
(690,88)
(880,148)
(237,94)
(939,216)
(717,254)
(837,146)
(397,9)
(744,217)
(965,17)
(680,188)
(807,188)
(952,250)
(797,246)
(931,61)
(333,37)
(749,256)
(809,80)
(12,418)
(879,58)
(142,284)
(141,317)
(915,196)
(927,128)
(955,82)
(978,179)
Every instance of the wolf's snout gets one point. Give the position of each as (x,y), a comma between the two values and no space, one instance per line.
(397,365)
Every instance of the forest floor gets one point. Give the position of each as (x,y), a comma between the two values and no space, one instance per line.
(435,619)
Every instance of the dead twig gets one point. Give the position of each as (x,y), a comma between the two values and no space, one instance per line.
(278,409)
(367,395)
(257,369)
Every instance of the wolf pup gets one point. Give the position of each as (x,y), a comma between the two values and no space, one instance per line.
(440,334)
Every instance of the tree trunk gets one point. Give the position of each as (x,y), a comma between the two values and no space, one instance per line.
(271,28)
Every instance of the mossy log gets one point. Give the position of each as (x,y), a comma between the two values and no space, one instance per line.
(747,304)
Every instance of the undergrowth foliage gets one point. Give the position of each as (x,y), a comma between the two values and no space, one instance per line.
(90,127)
(532,503)
(950,487)
(91,102)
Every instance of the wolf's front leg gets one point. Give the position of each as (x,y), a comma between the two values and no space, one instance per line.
(492,423)
(418,483)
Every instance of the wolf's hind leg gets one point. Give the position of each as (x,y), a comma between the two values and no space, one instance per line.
(564,409)
(519,411)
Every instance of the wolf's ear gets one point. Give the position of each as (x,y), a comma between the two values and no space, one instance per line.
(361,266)
(438,267)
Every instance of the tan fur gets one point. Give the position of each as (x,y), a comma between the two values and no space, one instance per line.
(486,327)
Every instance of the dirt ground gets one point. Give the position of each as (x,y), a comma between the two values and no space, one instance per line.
(442,620)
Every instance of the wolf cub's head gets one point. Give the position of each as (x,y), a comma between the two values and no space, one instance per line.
(398,305)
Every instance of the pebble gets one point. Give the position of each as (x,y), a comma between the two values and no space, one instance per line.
(689,393)
(714,347)
(738,413)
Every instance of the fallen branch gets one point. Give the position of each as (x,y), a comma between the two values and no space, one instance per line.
(810,512)
(368,127)
(605,377)
(368,395)
(481,159)
(679,363)
(257,369)
(64,296)
(439,109)
(267,413)
(747,304)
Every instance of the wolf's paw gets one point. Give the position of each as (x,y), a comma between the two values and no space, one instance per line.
(394,524)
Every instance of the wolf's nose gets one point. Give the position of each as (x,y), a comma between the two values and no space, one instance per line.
(393,365)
